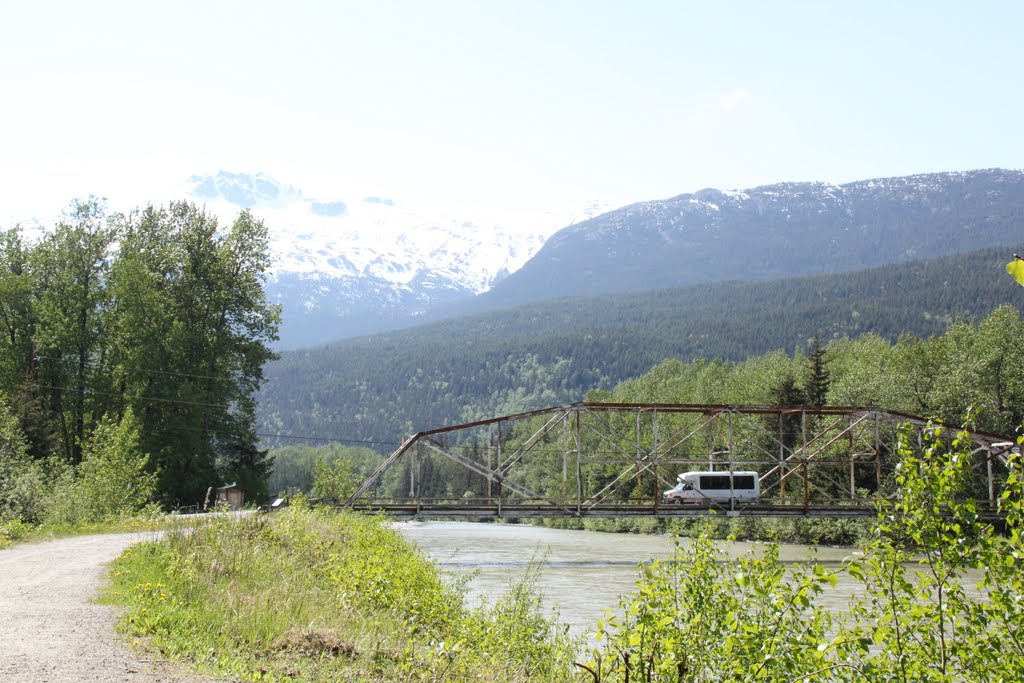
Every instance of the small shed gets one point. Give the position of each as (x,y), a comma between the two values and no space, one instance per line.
(232,494)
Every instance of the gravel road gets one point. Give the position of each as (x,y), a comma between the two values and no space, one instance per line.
(52,631)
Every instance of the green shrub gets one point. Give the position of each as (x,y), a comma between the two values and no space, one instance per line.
(13,530)
(704,617)
(22,479)
(113,473)
(111,483)
(310,595)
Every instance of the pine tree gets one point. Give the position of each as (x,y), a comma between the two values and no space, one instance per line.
(788,393)
(817,383)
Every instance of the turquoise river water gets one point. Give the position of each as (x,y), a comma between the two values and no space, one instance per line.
(583,573)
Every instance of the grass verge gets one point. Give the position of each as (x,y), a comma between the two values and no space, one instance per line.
(311,595)
(15,531)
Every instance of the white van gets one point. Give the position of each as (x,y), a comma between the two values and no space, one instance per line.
(707,487)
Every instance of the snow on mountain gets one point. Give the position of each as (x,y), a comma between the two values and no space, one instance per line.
(379,237)
(348,265)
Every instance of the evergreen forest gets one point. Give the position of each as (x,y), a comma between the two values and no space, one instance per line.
(374,391)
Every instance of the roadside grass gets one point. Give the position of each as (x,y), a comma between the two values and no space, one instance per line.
(15,531)
(317,595)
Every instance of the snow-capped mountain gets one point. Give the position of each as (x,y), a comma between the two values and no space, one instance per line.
(345,266)
(770,232)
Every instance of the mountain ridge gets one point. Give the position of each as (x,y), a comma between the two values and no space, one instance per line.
(771,231)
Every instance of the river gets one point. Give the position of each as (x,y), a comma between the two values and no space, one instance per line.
(583,573)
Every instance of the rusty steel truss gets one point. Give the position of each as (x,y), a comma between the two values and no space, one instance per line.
(616,459)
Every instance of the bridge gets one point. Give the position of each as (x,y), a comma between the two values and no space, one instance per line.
(615,460)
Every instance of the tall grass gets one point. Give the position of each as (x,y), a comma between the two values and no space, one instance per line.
(309,595)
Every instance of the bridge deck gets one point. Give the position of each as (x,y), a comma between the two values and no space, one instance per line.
(506,511)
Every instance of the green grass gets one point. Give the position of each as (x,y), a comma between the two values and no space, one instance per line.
(15,531)
(310,595)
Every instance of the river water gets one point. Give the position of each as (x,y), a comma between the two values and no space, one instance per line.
(582,574)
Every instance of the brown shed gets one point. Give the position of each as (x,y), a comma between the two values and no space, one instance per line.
(232,494)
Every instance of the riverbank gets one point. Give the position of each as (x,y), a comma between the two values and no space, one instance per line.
(307,595)
(837,532)
(317,595)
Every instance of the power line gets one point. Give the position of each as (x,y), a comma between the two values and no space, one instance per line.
(137,370)
(354,442)
(296,437)
(134,398)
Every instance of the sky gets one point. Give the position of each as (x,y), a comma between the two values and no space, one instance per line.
(495,106)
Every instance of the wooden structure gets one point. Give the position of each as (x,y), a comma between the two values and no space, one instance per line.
(232,495)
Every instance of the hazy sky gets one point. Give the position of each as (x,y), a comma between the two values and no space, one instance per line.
(498,105)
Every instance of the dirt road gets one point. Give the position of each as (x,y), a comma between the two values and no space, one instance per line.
(52,631)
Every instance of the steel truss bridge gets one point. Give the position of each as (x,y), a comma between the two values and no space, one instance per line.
(616,459)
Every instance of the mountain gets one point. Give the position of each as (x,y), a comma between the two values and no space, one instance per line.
(770,232)
(377,389)
(346,266)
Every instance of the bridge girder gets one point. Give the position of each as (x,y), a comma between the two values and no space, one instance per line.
(814,460)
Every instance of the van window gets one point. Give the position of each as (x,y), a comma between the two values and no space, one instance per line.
(745,481)
(721,482)
(715,481)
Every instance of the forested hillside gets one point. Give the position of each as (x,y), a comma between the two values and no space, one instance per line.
(969,367)
(970,372)
(376,390)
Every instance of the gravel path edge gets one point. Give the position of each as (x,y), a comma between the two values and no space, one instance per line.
(52,630)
